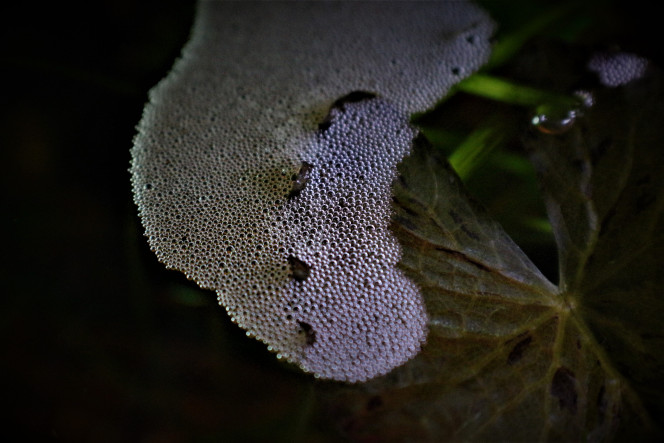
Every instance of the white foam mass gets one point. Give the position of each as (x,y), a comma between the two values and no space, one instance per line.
(245,185)
(617,68)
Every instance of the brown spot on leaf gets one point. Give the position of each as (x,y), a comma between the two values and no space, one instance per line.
(518,350)
(300,179)
(353,97)
(325,124)
(299,268)
(563,387)
(309,332)
(374,403)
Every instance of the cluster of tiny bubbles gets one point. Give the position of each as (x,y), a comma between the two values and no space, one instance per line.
(308,268)
(361,315)
(617,68)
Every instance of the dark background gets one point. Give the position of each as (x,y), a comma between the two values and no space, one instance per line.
(100,342)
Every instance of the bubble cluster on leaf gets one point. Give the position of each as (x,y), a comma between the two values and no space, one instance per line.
(254,179)
(617,68)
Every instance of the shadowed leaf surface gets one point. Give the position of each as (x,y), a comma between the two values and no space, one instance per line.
(604,188)
(509,355)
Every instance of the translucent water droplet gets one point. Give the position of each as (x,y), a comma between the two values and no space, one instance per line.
(552,123)
(559,118)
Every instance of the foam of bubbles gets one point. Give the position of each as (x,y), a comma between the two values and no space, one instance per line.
(617,68)
(310,271)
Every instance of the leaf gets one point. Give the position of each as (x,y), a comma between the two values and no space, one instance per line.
(604,184)
(509,355)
